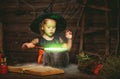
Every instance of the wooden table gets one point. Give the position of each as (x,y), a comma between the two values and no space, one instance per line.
(60,76)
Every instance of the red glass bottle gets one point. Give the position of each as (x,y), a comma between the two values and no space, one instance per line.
(0,57)
(3,66)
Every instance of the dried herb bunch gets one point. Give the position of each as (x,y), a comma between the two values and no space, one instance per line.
(111,68)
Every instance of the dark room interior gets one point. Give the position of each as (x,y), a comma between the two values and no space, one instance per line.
(95,32)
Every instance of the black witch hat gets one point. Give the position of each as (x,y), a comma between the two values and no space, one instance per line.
(60,26)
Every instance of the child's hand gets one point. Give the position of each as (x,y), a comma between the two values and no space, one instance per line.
(68,34)
(28,45)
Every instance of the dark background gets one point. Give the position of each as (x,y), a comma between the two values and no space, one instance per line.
(94,25)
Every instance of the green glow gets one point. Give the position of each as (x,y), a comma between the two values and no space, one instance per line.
(52,45)
(55,50)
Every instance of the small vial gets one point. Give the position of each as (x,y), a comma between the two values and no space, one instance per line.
(3,66)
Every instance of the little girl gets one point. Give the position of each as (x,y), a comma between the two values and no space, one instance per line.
(48,26)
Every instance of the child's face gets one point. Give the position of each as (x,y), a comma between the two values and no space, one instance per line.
(49,27)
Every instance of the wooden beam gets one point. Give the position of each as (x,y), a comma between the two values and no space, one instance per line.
(107,34)
(82,33)
(1,37)
(103,8)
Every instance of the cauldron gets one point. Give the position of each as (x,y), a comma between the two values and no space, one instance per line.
(55,57)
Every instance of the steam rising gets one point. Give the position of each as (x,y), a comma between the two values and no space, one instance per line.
(72,68)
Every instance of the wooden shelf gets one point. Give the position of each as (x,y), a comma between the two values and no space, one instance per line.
(17,50)
(94,30)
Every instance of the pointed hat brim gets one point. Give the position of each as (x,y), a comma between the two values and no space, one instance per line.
(60,26)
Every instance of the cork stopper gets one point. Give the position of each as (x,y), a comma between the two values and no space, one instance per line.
(3,61)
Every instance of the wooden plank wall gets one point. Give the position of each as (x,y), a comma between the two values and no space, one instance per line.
(18,16)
